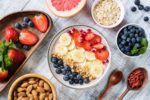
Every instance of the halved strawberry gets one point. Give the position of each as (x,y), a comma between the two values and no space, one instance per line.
(96,39)
(40,22)
(89,36)
(98,46)
(28,38)
(11,34)
(87,46)
(77,38)
(16,55)
(3,74)
(102,55)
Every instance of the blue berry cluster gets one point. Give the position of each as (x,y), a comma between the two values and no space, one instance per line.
(130,37)
(141,7)
(26,22)
(21,46)
(68,75)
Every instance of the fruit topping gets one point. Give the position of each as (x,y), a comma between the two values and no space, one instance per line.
(3,74)
(24,25)
(28,38)
(26,47)
(40,22)
(11,34)
(30,23)
(26,19)
(18,25)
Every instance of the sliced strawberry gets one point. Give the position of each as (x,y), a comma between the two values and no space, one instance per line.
(87,45)
(40,22)
(28,38)
(98,46)
(102,55)
(97,39)
(77,38)
(3,74)
(89,36)
(16,55)
(11,34)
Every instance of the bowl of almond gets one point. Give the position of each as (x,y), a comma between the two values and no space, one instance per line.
(32,87)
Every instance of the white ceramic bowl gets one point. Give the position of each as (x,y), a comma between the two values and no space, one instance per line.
(147,36)
(110,26)
(60,77)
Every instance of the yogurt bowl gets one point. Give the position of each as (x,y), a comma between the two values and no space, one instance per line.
(83,67)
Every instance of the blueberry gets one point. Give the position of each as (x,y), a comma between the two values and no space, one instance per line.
(81,81)
(133,40)
(26,47)
(55,65)
(61,66)
(146,8)
(74,74)
(141,30)
(66,77)
(79,76)
(146,19)
(137,45)
(133,9)
(136,35)
(138,39)
(128,40)
(137,2)
(119,40)
(60,62)
(54,60)
(141,7)
(127,49)
(129,27)
(58,71)
(71,82)
(26,19)
(86,80)
(131,35)
(30,23)
(123,42)
(71,76)
(24,25)
(120,45)
(67,68)
(18,25)
(123,37)
(129,44)
(18,45)
(76,81)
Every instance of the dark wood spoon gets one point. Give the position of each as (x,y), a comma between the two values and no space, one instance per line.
(114,78)
(128,86)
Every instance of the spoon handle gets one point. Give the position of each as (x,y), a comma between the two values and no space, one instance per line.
(100,97)
(123,94)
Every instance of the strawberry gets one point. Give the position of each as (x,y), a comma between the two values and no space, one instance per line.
(11,34)
(89,36)
(98,46)
(102,55)
(77,38)
(98,39)
(16,55)
(28,38)
(3,74)
(87,45)
(40,22)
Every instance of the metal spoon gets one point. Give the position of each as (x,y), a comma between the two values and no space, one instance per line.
(114,78)
(129,88)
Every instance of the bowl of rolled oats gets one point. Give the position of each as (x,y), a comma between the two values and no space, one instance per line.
(108,13)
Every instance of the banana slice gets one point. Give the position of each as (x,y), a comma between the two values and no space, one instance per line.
(61,50)
(89,55)
(72,45)
(78,55)
(65,39)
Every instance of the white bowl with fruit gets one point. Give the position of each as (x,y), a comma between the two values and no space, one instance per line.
(79,56)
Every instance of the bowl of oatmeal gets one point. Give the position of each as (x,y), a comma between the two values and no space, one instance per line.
(108,13)
(79,56)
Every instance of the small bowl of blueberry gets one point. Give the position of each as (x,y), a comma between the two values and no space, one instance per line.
(132,40)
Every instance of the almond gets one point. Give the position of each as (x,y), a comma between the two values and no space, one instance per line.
(39,89)
(46,87)
(29,88)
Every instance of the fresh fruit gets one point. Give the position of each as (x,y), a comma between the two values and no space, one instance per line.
(3,75)
(16,55)
(24,25)
(18,45)
(87,46)
(133,9)
(89,36)
(78,55)
(146,19)
(11,34)
(65,39)
(71,46)
(102,55)
(66,8)
(18,25)
(77,38)
(30,23)
(98,46)
(89,56)
(26,19)
(26,47)
(27,37)
(61,50)
(40,22)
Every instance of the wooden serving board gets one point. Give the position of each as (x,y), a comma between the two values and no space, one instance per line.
(10,20)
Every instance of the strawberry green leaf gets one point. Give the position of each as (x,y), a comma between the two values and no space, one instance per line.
(134,50)
(144,42)
(142,50)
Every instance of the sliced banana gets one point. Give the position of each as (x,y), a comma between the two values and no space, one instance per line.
(61,50)
(78,55)
(72,45)
(65,39)
(90,55)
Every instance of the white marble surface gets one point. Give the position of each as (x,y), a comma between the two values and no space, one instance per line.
(38,62)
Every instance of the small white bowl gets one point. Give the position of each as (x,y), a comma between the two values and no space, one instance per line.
(113,25)
(133,24)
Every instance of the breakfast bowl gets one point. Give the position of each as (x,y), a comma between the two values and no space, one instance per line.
(132,40)
(106,17)
(79,56)
(32,86)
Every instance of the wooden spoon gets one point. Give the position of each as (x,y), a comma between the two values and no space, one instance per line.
(114,78)
(128,86)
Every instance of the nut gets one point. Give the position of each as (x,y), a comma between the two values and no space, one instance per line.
(24,85)
(39,89)
(46,87)
(42,96)
(29,88)
(21,94)
(41,83)
(50,96)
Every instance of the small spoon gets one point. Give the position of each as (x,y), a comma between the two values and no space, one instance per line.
(114,78)
(129,88)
